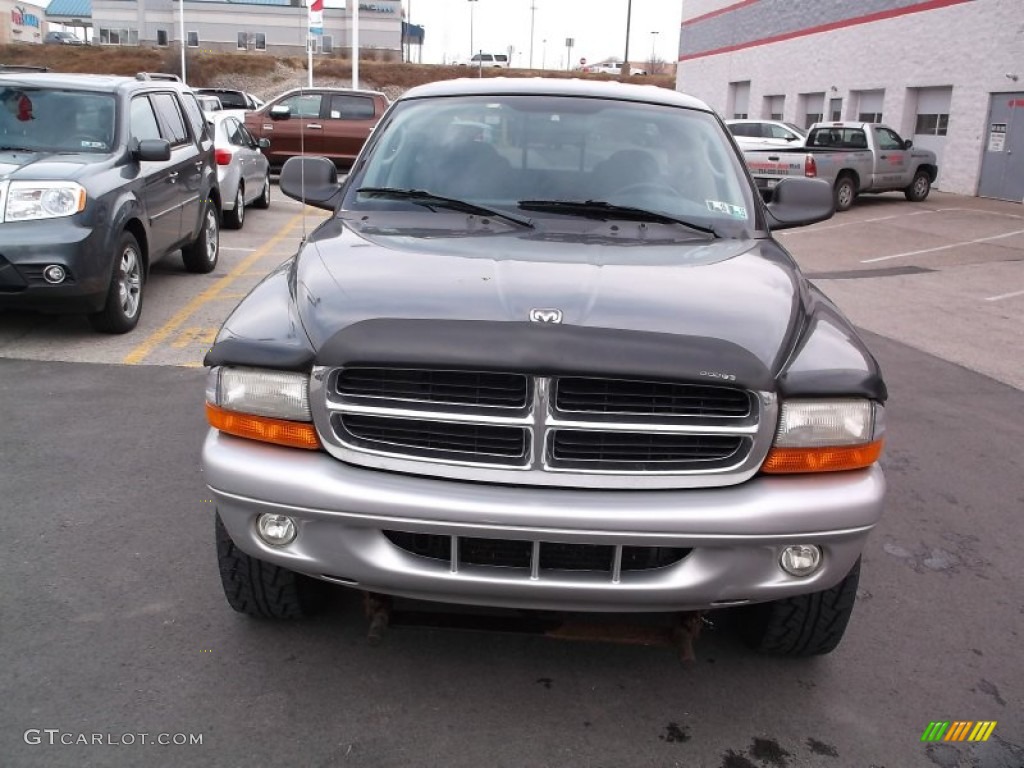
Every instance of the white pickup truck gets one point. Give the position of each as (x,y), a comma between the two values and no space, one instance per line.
(854,157)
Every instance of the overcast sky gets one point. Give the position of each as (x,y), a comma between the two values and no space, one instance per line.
(598,28)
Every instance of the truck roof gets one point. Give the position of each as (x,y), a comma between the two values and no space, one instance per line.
(549,86)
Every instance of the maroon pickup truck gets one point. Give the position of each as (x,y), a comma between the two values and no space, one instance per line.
(328,122)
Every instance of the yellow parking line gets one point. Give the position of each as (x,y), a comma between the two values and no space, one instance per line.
(143,350)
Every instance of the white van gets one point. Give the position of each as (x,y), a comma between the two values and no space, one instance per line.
(485,60)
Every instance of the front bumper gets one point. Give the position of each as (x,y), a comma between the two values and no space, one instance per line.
(735,534)
(27,247)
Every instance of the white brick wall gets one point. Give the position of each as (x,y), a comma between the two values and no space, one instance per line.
(970,47)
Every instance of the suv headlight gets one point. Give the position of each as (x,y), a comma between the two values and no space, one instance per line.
(27,200)
(826,436)
(270,406)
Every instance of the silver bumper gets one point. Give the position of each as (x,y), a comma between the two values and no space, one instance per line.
(736,533)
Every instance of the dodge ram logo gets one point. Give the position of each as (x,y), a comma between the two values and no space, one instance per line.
(546,315)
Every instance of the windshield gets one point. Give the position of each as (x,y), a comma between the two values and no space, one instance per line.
(49,120)
(501,151)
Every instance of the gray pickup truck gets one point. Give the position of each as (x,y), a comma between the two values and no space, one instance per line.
(854,158)
(546,354)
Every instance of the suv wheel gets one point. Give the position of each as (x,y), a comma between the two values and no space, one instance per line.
(236,218)
(121,311)
(201,255)
(805,625)
(260,589)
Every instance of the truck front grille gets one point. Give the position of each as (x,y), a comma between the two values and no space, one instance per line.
(524,429)
(640,451)
(535,556)
(474,388)
(437,438)
(579,395)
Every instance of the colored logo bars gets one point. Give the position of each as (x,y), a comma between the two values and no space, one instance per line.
(959,730)
(316,17)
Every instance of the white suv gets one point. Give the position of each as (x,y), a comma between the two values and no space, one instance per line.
(485,60)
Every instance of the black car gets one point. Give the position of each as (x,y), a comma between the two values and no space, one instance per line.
(100,177)
(232,99)
(62,38)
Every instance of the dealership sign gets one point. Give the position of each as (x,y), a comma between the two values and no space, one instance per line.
(22,18)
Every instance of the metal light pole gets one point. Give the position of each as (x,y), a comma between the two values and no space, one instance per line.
(533,14)
(654,37)
(181,32)
(629,20)
(472,50)
(355,45)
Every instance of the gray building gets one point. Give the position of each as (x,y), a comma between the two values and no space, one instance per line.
(948,74)
(277,27)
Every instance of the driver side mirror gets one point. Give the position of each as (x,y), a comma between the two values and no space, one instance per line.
(152,150)
(798,201)
(280,112)
(263,143)
(908,144)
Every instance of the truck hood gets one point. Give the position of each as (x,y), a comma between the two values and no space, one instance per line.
(624,283)
(42,166)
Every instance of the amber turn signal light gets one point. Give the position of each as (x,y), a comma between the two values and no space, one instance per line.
(826,459)
(294,434)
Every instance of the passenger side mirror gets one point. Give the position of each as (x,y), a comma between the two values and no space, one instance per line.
(264,143)
(152,150)
(312,180)
(908,144)
(797,202)
(280,112)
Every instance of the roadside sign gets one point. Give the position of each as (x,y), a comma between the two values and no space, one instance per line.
(583,61)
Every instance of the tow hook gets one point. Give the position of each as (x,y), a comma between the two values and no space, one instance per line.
(686,632)
(378,611)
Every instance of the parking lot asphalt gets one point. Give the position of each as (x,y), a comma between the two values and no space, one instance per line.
(112,620)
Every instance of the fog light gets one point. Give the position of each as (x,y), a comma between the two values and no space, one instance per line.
(800,559)
(54,273)
(276,530)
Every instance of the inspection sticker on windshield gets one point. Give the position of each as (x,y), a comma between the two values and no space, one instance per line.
(736,211)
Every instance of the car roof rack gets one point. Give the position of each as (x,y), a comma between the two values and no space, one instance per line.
(22,68)
(157,76)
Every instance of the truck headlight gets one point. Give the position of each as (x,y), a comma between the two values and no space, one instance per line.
(28,200)
(826,436)
(270,406)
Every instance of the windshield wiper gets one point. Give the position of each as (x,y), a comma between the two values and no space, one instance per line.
(430,200)
(601,209)
(6,148)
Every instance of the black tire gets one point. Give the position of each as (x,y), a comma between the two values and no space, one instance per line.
(845,193)
(919,188)
(123,306)
(806,625)
(234,219)
(263,201)
(201,255)
(260,589)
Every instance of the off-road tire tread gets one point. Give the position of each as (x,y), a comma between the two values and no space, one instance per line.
(805,625)
(257,588)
